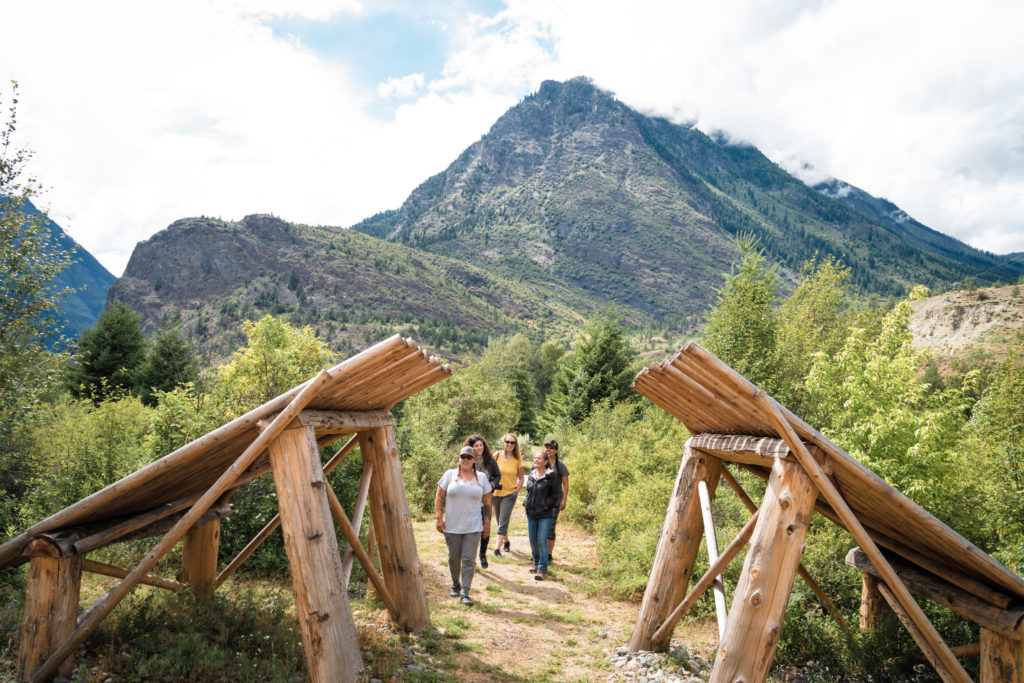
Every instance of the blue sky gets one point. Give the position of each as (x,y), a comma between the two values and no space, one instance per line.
(327,111)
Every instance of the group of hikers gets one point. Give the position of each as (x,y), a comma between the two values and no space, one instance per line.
(484,485)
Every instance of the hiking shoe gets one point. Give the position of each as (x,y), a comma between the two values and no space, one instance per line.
(533,569)
(497,552)
(540,576)
(483,559)
(456,590)
(466,601)
(508,547)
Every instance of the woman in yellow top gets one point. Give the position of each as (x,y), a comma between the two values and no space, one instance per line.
(506,492)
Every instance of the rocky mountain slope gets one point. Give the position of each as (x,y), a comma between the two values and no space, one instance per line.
(572,186)
(210,275)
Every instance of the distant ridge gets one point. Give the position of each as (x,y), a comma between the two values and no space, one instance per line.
(86,276)
(572,186)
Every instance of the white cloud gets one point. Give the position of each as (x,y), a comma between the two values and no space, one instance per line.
(401,87)
(142,113)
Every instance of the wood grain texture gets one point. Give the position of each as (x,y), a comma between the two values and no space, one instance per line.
(769,569)
(396,544)
(321,600)
(677,550)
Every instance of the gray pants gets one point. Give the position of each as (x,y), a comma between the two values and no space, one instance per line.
(462,558)
(503,511)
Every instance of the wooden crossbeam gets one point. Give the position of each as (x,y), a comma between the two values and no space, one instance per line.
(353,540)
(357,521)
(119,573)
(1006,622)
(102,607)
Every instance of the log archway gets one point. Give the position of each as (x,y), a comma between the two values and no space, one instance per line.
(183,496)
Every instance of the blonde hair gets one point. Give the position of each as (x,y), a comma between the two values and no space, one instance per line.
(516,451)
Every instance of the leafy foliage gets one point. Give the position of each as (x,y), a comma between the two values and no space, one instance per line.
(169,364)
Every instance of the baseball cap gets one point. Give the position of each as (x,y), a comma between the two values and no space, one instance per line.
(552,443)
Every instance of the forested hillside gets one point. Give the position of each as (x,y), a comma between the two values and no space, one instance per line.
(571,186)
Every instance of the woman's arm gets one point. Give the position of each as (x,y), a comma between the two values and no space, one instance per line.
(519,478)
(486,500)
(438,501)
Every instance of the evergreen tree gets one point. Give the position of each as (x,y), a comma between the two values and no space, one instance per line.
(109,355)
(601,369)
(170,363)
(742,326)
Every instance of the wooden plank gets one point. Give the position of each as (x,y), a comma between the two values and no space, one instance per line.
(1002,659)
(677,551)
(711,542)
(762,593)
(102,607)
(399,561)
(753,450)
(346,421)
(716,569)
(119,573)
(321,601)
(1008,623)
(199,558)
(51,606)
(948,660)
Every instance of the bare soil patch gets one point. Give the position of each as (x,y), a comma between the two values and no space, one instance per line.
(561,629)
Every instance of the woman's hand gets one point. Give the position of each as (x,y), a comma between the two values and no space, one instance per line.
(440,525)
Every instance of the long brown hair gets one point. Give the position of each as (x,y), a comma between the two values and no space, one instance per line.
(516,451)
(471,441)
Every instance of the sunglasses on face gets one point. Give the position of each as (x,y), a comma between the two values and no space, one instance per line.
(510,443)
(465,457)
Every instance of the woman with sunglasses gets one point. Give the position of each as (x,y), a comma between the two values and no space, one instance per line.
(485,463)
(511,466)
(460,493)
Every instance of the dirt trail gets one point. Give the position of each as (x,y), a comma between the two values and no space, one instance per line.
(520,629)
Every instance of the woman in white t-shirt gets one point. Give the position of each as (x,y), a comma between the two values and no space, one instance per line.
(460,493)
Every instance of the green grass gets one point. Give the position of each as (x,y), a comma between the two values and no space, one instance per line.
(571,616)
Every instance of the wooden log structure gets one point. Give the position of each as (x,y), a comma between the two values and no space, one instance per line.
(199,558)
(733,421)
(677,550)
(321,600)
(183,496)
(759,602)
(51,607)
(396,544)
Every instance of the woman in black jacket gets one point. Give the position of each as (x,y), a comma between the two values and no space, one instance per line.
(543,496)
(485,463)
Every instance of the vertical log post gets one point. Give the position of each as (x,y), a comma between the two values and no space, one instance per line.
(321,601)
(389,512)
(677,549)
(872,605)
(762,593)
(199,558)
(51,605)
(1002,659)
